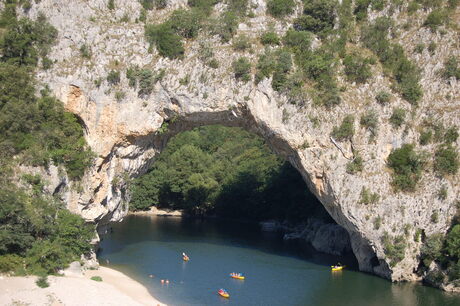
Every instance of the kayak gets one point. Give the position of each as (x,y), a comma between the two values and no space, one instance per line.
(185,258)
(236,276)
(334,268)
(223,293)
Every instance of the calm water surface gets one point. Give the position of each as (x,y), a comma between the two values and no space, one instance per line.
(277,273)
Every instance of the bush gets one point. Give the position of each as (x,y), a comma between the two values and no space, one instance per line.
(356,165)
(241,43)
(42,282)
(319,16)
(270,38)
(407,166)
(113,77)
(242,69)
(368,197)
(225,26)
(280,8)
(97,278)
(435,19)
(299,41)
(446,160)
(146,82)
(442,193)
(398,117)
(453,242)
(85,51)
(451,135)
(370,121)
(395,248)
(451,69)
(346,129)
(356,68)
(10,263)
(186,23)
(425,137)
(168,43)
(383,97)
(432,249)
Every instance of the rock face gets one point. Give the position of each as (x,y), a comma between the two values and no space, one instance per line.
(126,134)
(324,237)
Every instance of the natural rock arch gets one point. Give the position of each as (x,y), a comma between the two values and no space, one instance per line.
(132,153)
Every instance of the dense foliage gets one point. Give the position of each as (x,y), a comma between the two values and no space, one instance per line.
(225,172)
(37,235)
(37,128)
(407,165)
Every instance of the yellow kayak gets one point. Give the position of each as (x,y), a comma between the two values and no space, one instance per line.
(185,258)
(236,276)
(337,268)
(223,293)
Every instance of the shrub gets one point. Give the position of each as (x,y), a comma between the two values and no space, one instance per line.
(451,69)
(238,7)
(395,248)
(346,129)
(280,8)
(111,4)
(270,38)
(368,197)
(213,63)
(432,249)
(383,97)
(453,242)
(146,82)
(425,137)
(97,278)
(357,68)
(120,95)
(442,193)
(377,222)
(419,48)
(113,77)
(242,69)
(435,19)
(319,15)
(434,217)
(42,282)
(451,135)
(397,118)
(407,166)
(446,160)
(356,165)
(10,263)
(225,26)
(85,51)
(432,47)
(241,43)
(370,121)
(168,43)
(186,23)
(299,41)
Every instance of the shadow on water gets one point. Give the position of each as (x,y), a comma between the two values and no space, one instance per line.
(136,229)
(277,273)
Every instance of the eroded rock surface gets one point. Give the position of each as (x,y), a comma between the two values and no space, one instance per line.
(126,134)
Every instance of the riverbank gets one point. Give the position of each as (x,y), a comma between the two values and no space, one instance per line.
(76,289)
(153,211)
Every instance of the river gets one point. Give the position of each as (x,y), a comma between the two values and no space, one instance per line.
(277,273)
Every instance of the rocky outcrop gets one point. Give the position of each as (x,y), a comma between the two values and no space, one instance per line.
(324,237)
(127,133)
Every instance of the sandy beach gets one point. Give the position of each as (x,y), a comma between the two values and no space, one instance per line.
(76,289)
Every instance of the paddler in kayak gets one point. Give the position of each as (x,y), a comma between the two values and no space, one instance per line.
(185,257)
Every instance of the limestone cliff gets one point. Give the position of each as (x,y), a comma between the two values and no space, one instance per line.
(127,131)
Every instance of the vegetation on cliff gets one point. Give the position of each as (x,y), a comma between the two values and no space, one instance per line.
(37,234)
(226,172)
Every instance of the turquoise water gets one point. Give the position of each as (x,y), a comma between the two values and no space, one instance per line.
(277,273)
